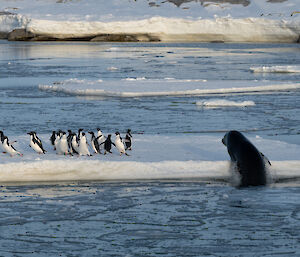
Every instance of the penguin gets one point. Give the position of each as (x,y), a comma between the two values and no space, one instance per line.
(37,138)
(79,135)
(1,141)
(9,147)
(99,132)
(100,138)
(62,146)
(83,146)
(107,144)
(74,144)
(1,135)
(35,144)
(69,140)
(119,144)
(52,139)
(128,140)
(95,144)
(57,139)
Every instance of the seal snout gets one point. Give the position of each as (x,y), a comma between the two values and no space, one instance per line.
(223,141)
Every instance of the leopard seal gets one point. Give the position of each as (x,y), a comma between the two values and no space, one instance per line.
(248,160)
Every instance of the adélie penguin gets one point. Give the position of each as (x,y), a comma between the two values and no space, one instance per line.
(9,147)
(79,135)
(128,140)
(35,144)
(100,138)
(83,146)
(119,144)
(52,139)
(74,144)
(1,141)
(69,140)
(57,139)
(107,144)
(62,146)
(37,138)
(95,144)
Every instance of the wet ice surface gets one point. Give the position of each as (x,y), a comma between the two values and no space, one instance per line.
(158,218)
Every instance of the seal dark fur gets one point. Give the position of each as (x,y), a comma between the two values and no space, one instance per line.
(249,161)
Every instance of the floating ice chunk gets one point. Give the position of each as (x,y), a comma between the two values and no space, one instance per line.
(112,68)
(220,103)
(276,69)
(142,87)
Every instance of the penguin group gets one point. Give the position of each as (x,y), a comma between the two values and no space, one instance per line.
(77,143)
(73,143)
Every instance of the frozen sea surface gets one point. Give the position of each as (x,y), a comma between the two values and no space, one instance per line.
(174,200)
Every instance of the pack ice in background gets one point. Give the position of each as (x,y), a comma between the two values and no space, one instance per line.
(141,20)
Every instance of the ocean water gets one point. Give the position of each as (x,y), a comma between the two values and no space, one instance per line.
(151,214)
(24,66)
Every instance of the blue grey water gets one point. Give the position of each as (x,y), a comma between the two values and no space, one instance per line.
(25,65)
(147,218)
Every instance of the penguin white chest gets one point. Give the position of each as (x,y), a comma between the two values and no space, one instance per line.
(119,145)
(63,145)
(35,146)
(83,147)
(7,148)
(74,144)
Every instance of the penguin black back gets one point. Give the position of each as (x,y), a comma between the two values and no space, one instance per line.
(52,138)
(107,143)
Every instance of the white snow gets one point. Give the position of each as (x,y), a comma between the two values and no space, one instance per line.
(142,87)
(277,69)
(258,22)
(152,157)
